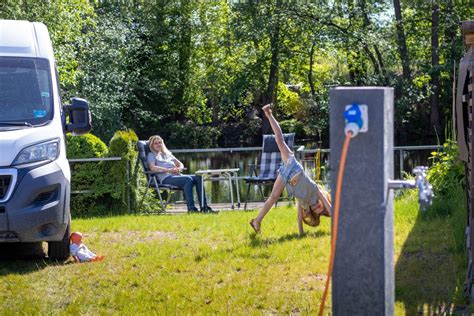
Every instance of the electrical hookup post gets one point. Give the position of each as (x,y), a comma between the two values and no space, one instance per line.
(363,275)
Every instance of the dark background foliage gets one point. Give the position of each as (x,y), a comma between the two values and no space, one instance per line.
(198,72)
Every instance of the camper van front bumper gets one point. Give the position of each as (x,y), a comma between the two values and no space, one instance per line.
(38,208)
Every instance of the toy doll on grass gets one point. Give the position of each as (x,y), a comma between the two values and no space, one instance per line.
(79,250)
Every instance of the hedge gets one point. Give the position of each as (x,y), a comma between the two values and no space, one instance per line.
(105,182)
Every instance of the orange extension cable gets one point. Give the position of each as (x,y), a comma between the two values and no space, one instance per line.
(336,218)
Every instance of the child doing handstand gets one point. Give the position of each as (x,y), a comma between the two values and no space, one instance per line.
(312,202)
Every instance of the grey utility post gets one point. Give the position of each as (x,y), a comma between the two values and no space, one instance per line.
(363,275)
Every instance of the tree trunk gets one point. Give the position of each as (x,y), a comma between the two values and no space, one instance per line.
(382,66)
(402,45)
(372,59)
(274,65)
(363,8)
(434,110)
(451,59)
(270,94)
(310,71)
(450,33)
(376,62)
(184,51)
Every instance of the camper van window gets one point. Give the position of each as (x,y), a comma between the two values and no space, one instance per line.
(25,91)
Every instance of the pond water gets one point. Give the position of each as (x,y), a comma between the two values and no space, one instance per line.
(218,191)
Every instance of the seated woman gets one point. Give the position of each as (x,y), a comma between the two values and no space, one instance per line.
(168,169)
(312,202)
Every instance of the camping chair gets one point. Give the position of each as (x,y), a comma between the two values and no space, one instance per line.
(270,162)
(152,179)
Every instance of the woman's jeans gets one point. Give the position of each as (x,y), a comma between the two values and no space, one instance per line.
(187,182)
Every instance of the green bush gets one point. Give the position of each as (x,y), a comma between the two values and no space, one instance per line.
(447,171)
(105,182)
(85,146)
(123,144)
(289,101)
(293,126)
(86,176)
(447,176)
(240,133)
(190,135)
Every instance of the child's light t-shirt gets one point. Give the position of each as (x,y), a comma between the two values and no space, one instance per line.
(81,252)
(305,189)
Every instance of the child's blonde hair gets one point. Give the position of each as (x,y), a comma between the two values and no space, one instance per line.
(154,138)
(310,217)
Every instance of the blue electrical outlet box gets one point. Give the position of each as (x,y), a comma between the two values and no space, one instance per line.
(358,114)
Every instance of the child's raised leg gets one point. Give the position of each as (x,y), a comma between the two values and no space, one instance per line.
(282,146)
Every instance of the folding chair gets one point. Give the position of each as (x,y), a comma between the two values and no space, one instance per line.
(270,162)
(152,179)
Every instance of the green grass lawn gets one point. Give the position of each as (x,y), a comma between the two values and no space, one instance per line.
(183,264)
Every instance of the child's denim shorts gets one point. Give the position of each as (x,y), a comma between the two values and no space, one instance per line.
(290,169)
(305,189)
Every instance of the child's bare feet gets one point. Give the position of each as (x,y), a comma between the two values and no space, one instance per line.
(266,108)
(255,225)
(98,258)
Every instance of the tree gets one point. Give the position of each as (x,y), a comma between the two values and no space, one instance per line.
(401,40)
(110,69)
(435,82)
(197,73)
(68,24)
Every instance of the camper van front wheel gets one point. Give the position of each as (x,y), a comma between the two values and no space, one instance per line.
(59,250)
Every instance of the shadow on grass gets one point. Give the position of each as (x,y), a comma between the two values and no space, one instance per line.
(24,258)
(256,241)
(430,271)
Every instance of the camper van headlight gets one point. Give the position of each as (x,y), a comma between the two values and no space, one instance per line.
(39,152)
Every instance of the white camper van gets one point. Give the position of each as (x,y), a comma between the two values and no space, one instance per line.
(34,172)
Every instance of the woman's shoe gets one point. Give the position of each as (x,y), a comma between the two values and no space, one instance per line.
(193,210)
(208,209)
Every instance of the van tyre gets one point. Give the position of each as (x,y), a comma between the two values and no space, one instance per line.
(59,250)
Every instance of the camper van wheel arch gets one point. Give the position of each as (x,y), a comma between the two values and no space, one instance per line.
(59,250)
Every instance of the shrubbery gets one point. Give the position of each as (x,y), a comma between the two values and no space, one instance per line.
(447,171)
(85,146)
(241,133)
(86,176)
(105,182)
(447,176)
(294,126)
(123,144)
(195,136)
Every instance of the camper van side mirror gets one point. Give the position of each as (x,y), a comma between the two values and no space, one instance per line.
(79,116)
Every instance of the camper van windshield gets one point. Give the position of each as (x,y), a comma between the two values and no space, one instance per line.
(25,91)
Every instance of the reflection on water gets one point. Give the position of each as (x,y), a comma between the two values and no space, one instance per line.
(218,191)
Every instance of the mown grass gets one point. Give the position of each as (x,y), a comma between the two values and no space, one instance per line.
(430,255)
(199,264)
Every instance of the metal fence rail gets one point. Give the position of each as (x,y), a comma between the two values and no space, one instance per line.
(94,159)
